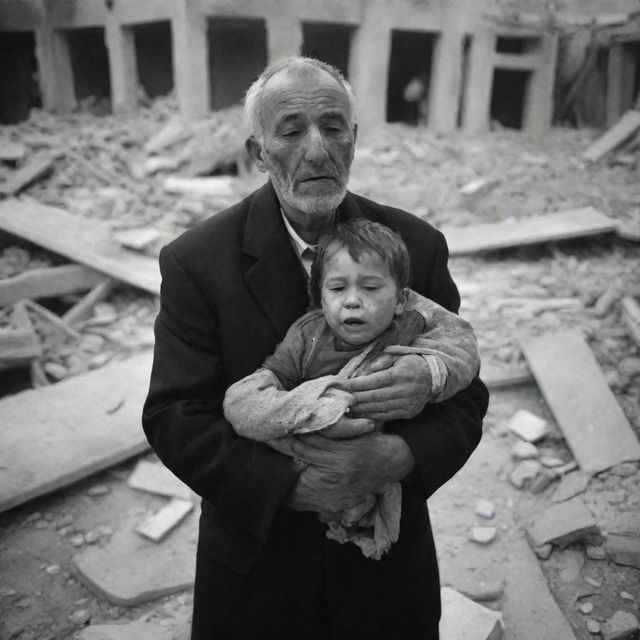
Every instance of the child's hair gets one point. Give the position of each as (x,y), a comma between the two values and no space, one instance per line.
(360,236)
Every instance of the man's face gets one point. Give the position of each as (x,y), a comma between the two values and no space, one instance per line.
(359,298)
(307,143)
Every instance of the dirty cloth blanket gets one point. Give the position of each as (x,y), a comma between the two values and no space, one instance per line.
(260,406)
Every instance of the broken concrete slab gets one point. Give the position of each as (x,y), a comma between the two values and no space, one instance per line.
(223,186)
(592,421)
(136,239)
(483,535)
(174,628)
(524,473)
(464,619)
(624,550)
(12,151)
(528,426)
(544,228)
(523,450)
(570,486)
(626,126)
(621,626)
(154,477)
(529,609)
(157,526)
(36,167)
(80,239)
(564,523)
(130,569)
(485,509)
(56,446)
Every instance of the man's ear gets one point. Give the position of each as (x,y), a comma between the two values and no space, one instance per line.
(403,298)
(355,133)
(254,149)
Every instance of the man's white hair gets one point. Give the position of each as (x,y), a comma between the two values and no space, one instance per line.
(253,97)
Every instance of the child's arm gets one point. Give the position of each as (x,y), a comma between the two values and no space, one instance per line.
(447,343)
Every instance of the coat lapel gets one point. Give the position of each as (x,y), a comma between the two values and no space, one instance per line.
(274,274)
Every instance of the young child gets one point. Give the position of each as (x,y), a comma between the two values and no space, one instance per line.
(359,283)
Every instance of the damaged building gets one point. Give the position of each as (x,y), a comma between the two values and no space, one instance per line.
(475,61)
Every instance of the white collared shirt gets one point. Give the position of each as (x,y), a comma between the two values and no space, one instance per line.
(299,244)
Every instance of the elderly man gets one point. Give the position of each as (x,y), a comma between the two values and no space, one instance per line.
(231,288)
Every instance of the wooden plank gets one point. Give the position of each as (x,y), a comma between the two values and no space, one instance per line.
(594,425)
(37,167)
(53,436)
(631,317)
(80,239)
(628,124)
(48,283)
(549,227)
(97,294)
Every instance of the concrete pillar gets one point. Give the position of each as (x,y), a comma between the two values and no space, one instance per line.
(190,60)
(120,43)
(620,82)
(54,70)
(284,36)
(479,82)
(369,67)
(446,77)
(538,107)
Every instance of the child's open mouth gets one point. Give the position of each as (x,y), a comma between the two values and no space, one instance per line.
(354,322)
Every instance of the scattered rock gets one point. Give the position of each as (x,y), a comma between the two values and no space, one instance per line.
(524,473)
(7,592)
(605,302)
(586,607)
(624,550)
(544,551)
(596,552)
(464,619)
(92,343)
(564,523)
(56,370)
(485,509)
(625,595)
(541,481)
(24,603)
(551,462)
(64,521)
(596,584)
(528,426)
(482,535)
(523,450)
(80,617)
(621,626)
(77,540)
(98,490)
(154,477)
(593,627)
(53,570)
(91,537)
(484,591)
(570,486)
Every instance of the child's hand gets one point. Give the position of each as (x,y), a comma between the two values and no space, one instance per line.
(348,428)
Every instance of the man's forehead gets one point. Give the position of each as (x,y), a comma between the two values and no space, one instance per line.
(302,79)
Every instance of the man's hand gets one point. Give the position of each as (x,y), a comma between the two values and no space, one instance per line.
(341,473)
(399,388)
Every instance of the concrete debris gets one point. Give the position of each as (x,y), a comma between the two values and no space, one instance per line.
(595,552)
(625,595)
(485,509)
(621,626)
(143,571)
(98,490)
(564,523)
(586,607)
(220,186)
(528,426)
(35,168)
(80,617)
(154,477)
(551,461)
(523,450)
(464,619)
(543,480)
(159,524)
(524,473)
(544,551)
(624,550)
(137,239)
(148,630)
(625,469)
(570,486)
(12,151)
(478,186)
(483,535)
(593,627)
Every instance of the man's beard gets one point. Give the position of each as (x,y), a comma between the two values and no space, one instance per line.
(311,204)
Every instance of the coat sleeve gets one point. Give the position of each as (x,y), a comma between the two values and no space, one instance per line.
(182,418)
(443,435)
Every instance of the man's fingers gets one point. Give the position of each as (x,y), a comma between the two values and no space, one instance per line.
(348,428)
(376,395)
(372,381)
(380,407)
(382,362)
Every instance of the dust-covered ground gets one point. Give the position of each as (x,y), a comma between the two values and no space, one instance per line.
(504,294)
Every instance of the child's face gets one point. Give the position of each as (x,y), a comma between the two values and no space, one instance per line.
(359,299)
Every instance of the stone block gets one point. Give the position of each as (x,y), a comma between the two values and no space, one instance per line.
(564,523)
(528,426)
(621,626)
(464,619)
(624,550)
(129,569)
(157,526)
(524,473)
(154,477)
(524,450)
(570,486)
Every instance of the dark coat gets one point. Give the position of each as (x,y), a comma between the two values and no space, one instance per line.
(231,286)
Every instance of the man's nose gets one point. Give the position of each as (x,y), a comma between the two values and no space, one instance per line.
(315,150)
